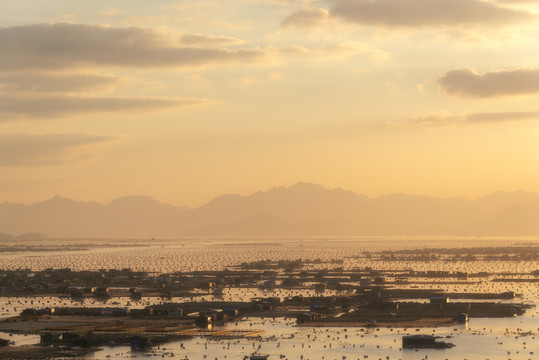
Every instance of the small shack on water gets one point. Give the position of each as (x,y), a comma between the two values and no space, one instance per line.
(424,341)
(461,318)
(139,342)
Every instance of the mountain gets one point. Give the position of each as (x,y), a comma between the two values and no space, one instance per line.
(303,209)
(302,201)
(5,237)
(520,219)
(129,216)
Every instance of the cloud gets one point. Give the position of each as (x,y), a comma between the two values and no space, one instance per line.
(44,75)
(306,17)
(48,149)
(448,119)
(17,106)
(65,45)
(56,83)
(432,13)
(208,40)
(502,116)
(468,82)
(335,50)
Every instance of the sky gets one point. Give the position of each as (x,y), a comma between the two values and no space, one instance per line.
(187,100)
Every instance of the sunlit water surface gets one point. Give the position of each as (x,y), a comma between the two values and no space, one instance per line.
(507,338)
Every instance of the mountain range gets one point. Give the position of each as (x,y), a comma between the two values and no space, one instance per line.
(303,209)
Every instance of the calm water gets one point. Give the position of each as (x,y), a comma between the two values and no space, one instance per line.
(482,339)
(166,256)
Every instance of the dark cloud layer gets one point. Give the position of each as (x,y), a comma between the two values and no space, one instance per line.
(65,45)
(416,13)
(46,149)
(468,82)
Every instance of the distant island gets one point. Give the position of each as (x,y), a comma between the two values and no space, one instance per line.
(303,209)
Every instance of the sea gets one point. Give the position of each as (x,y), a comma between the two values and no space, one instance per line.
(481,338)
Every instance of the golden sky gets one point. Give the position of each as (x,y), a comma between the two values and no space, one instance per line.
(187,100)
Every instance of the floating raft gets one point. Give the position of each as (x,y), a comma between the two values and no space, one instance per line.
(155,328)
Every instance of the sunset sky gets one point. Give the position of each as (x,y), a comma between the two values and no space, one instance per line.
(186,100)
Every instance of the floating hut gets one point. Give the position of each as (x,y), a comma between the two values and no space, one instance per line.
(139,342)
(462,318)
(424,341)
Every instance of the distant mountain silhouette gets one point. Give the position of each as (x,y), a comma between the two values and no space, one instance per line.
(301,209)
(519,219)
(5,237)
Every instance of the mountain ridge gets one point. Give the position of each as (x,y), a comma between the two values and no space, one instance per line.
(300,209)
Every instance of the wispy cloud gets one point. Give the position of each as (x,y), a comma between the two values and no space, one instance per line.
(467,82)
(189,39)
(22,106)
(449,119)
(47,149)
(56,83)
